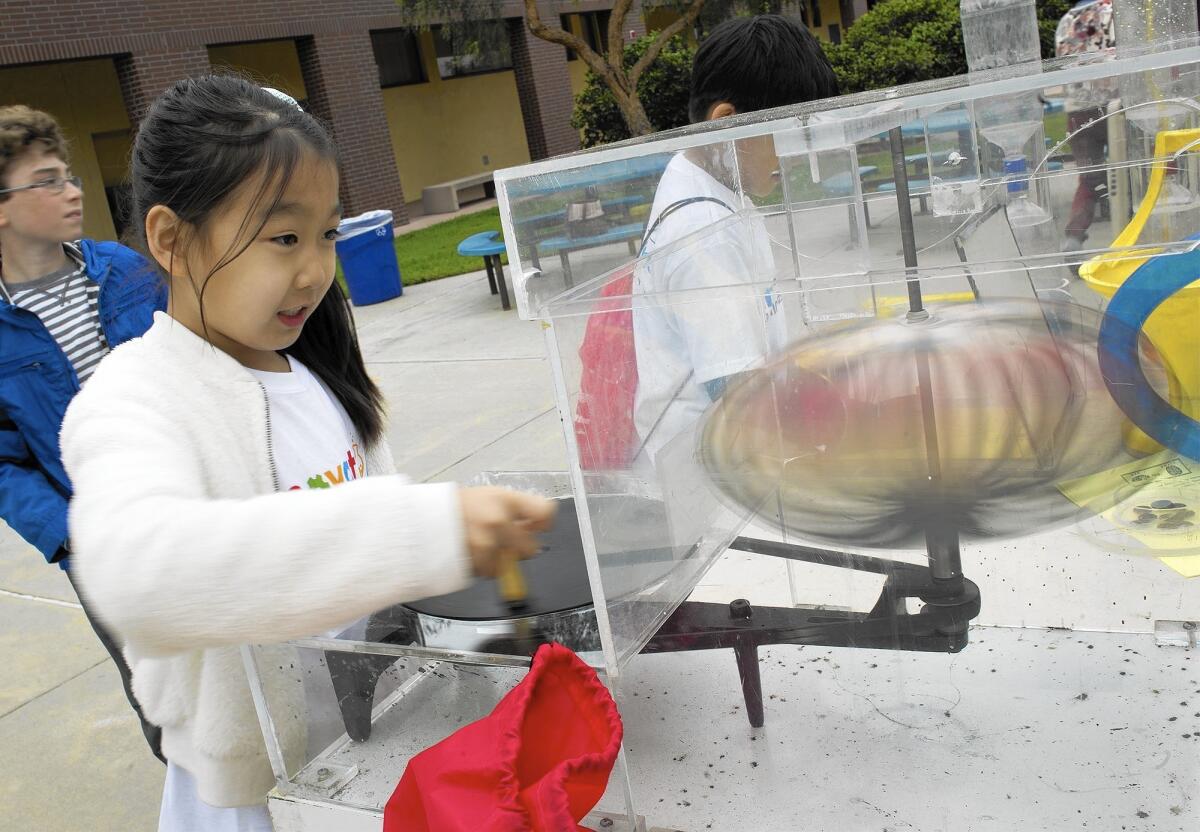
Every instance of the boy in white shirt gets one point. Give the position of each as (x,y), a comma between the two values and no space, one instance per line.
(687,353)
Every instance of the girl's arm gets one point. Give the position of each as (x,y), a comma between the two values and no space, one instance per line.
(172,569)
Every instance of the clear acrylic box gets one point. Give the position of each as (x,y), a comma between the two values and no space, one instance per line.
(892,545)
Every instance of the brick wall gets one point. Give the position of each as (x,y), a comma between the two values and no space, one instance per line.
(145,75)
(155,42)
(343,90)
(544,88)
(36,30)
(635,21)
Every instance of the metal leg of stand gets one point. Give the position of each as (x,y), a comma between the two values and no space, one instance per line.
(354,677)
(566,267)
(487,264)
(498,266)
(747,664)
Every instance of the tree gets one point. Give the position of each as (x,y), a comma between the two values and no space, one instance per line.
(621,80)
(901,41)
(664,87)
(470,21)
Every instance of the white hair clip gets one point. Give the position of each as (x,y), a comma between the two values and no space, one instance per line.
(283,96)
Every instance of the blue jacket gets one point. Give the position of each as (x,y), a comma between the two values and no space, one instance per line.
(37,382)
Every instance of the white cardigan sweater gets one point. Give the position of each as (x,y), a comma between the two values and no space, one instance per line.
(186,551)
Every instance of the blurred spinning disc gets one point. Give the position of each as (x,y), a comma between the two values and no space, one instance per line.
(873,433)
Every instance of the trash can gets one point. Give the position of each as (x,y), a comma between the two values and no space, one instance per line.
(368,256)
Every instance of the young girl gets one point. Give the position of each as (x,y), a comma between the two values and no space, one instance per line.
(232,483)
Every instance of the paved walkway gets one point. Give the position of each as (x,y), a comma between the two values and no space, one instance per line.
(469,390)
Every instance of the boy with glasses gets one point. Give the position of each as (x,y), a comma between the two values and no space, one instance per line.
(64,303)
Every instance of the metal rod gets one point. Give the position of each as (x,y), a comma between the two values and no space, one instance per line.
(811,554)
(916,305)
(945,562)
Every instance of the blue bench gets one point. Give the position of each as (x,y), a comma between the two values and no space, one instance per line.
(630,233)
(489,246)
(840,184)
(534,221)
(527,226)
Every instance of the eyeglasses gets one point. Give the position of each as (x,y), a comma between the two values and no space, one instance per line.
(54,185)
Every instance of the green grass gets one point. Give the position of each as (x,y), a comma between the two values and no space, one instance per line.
(432,252)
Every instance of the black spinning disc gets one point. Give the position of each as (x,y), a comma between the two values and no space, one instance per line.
(557,580)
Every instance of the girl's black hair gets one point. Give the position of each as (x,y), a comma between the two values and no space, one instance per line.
(199,142)
(756,63)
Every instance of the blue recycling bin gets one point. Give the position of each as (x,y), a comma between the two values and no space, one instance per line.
(368,256)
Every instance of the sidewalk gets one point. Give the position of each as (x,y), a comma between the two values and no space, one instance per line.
(469,390)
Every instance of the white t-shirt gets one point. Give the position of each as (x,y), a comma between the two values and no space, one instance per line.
(691,341)
(313,445)
(313,442)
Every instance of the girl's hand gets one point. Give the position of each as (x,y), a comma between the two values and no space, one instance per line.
(500,525)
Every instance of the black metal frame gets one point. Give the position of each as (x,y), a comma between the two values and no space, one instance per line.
(940,626)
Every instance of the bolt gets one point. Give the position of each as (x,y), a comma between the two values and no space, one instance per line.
(740,608)
(323,774)
(605,823)
(1189,625)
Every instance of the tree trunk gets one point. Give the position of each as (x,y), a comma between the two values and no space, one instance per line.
(621,82)
(634,114)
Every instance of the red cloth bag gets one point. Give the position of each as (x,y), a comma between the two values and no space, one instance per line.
(538,763)
(604,428)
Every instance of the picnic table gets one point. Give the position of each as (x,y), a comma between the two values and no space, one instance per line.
(629,233)
(489,246)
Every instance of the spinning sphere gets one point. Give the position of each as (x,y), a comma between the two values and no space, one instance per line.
(878,432)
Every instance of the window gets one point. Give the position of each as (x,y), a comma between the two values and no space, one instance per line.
(815,5)
(484,50)
(593,29)
(835,33)
(564,20)
(398,56)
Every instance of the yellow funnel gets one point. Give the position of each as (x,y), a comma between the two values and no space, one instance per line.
(1172,327)
(1106,272)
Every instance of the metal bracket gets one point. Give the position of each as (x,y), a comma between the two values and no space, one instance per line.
(1176,633)
(324,777)
(612,822)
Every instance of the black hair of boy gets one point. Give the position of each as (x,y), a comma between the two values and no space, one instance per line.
(756,63)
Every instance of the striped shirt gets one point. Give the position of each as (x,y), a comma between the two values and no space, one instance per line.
(66,301)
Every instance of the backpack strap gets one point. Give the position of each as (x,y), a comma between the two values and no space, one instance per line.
(671,209)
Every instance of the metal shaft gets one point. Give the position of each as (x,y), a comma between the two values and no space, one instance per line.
(916,306)
(941,537)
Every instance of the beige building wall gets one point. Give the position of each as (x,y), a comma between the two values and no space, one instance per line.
(445,129)
(273,63)
(85,98)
